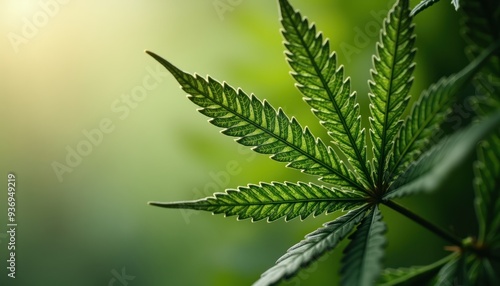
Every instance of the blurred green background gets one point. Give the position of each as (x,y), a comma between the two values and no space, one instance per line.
(71,68)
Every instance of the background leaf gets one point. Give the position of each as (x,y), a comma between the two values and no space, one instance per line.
(452,273)
(480,30)
(412,276)
(483,271)
(436,165)
(487,188)
(429,112)
(274,201)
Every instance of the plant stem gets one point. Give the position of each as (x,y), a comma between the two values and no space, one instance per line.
(425,223)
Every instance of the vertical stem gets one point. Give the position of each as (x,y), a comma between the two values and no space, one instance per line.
(426,224)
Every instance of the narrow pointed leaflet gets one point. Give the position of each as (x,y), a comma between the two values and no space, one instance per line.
(274,201)
(424,4)
(487,188)
(449,273)
(416,275)
(362,260)
(391,81)
(312,247)
(259,125)
(324,87)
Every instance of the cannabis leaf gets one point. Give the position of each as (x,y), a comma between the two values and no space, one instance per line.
(274,201)
(424,4)
(405,161)
(487,206)
(257,124)
(324,88)
(392,79)
(433,168)
(416,275)
(429,112)
(480,28)
(362,259)
(449,272)
(487,185)
(313,246)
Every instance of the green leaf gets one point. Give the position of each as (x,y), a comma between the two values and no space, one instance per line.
(436,165)
(429,112)
(274,201)
(424,4)
(483,271)
(412,276)
(487,189)
(312,247)
(480,30)
(449,274)
(391,82)
(324,87)
(485,104)
(259,125)
(490,269)
(362,261)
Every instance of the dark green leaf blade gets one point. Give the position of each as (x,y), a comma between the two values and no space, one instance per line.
(412,276)
(487,189)
(324,87)
(362,261)
(391,82)
(436,165)
(257,124)
(483,271)
(273,201)
(450,272)
(312,247)
(429,112)
(490,271)
(480,30)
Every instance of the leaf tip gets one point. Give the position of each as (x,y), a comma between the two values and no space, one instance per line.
(161,60)
(150,53)
(156,204)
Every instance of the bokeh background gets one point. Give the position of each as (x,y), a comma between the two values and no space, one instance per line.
(70,68)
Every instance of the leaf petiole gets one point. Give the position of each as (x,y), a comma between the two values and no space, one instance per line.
(425,223)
